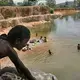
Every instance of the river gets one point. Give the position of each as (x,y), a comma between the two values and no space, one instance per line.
(64,34)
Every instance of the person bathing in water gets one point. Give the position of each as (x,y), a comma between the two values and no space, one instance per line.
(17,37)
(41,40)
(49,51)
(78,47)
(45,39)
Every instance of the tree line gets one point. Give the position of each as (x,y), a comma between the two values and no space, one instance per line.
(70,4)
(50,3)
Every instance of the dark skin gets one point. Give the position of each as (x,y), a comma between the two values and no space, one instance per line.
(78,47)
(50,53)
(6,49)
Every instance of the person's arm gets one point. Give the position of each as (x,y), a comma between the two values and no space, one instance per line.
(19,65)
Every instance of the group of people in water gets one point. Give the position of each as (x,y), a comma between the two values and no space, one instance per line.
(34,42)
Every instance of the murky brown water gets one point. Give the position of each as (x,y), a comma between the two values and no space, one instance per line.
(64,35)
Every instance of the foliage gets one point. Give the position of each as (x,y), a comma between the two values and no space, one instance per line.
(6,3)
(51,11)
(20,3)
(3,3)
(68,4)
(29,2)
(25,4)
(32,0)
(51,3)
(78,3)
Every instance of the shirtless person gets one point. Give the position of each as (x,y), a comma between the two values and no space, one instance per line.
(17,37)
(50,53)
(78,47)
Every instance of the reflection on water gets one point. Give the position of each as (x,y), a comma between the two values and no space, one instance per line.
(67,26)
(41,30)
(76,17)
(66,61)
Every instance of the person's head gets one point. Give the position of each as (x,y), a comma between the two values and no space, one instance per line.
(78,44)
(36,34)
(18,36)
(40,37)
(44,37)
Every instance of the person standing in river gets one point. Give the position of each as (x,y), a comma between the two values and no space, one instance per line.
(49,51)
(78,47)
(45,39)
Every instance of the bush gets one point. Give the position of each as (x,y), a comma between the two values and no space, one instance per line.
(51,11)
(3,3)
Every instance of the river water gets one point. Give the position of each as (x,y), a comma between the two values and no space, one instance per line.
(64,34)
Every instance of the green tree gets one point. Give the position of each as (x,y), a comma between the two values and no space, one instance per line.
(3,3)
(51,3)
(11,3)
(29,2)
(78,3)
(20,3)
(32,2)
(6,3)
(25,3)
(75,3)
(66,4)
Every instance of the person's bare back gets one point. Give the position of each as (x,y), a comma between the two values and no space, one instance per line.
(17,37)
